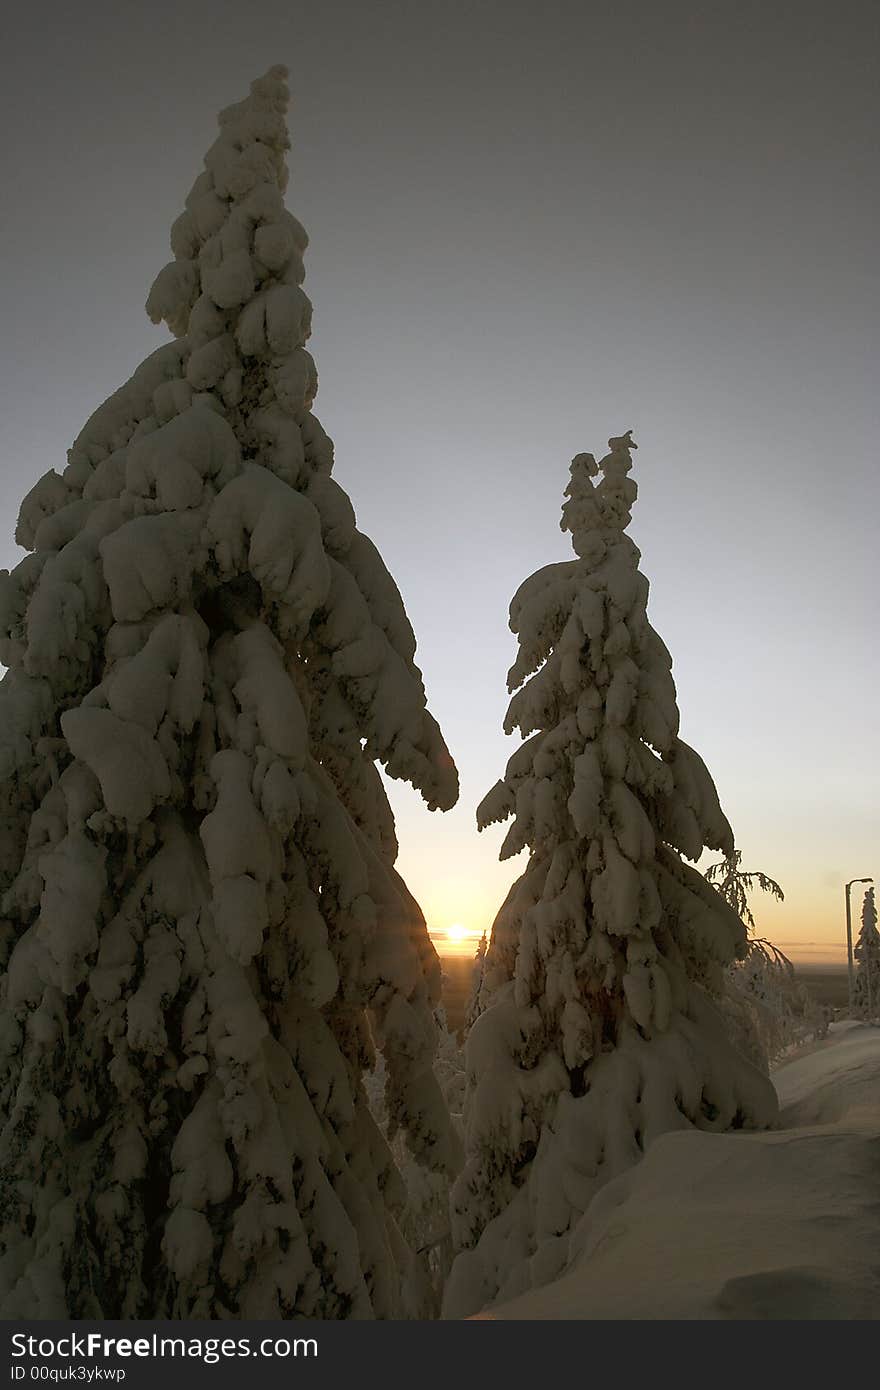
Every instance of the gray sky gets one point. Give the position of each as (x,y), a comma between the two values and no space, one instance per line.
(533,226)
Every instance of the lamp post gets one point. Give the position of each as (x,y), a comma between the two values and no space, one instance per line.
(849,948)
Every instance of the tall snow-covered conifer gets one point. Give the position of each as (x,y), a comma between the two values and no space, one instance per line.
(203,932)
(866,990)
(600,1032)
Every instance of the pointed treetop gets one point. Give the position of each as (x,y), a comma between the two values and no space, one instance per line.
(596,511)
(253,137)
(240,383)
(235,236)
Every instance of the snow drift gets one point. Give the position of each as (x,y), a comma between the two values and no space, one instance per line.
(779,1225)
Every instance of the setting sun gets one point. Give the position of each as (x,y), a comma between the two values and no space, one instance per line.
(455,940)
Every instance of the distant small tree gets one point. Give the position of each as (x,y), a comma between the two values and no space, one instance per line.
(866,994)
(476,1004)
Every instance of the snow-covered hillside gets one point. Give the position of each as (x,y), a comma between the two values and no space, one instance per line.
(784,1224)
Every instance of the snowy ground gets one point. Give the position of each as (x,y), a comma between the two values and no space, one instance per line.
(773,1225)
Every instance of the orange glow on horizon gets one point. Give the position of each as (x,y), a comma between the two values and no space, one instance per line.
(809,926)
(455,940)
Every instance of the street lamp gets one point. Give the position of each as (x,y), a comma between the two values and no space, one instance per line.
(849,950)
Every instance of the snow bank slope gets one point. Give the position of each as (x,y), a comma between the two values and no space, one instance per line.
(774,1225)
(837,1079)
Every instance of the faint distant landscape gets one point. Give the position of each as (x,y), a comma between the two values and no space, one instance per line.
(827,984)
(457,981)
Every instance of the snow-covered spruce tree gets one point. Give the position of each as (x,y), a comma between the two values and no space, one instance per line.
(203,932)
(601,1032)
(866,990)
